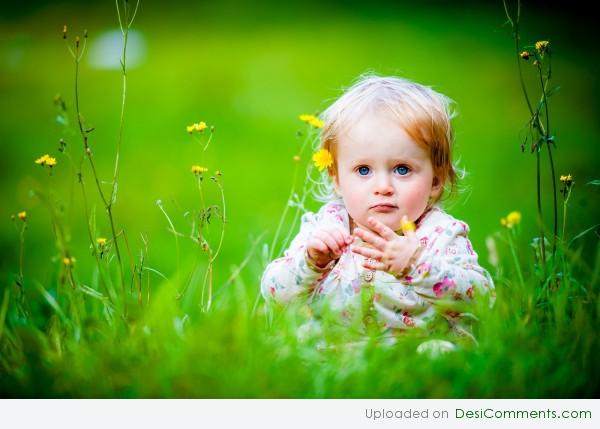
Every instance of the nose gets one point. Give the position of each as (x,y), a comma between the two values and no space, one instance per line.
(383,185)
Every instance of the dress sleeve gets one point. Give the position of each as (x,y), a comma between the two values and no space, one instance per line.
(447,270)
(290,277)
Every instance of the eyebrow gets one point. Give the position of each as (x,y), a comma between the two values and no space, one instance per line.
(392,161)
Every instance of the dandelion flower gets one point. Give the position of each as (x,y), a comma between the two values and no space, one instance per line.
(50,162)
(512,219)
(42,160)
(311,120)
(322,159)
(524,55)
(101,241)
(568,184)
(316,122)
(407,226)
(200,126)
(68,262)
(46,160)
(196,169)
(542,46)
(22,216)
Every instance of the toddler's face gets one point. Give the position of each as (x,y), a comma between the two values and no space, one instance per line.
(383,173)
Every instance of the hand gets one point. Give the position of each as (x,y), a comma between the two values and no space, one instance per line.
(390,252)
(326,245)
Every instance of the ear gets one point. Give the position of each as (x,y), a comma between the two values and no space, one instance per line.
(436,187)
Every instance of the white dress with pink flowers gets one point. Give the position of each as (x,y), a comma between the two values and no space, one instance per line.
(444,280)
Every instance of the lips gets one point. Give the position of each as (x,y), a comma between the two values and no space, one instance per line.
(384,207)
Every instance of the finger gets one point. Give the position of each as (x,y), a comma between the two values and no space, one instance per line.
(367,252)
(339,237)
(370,238)
(317,245)
(371,264)
(343,237)
(381,229)
(329,241)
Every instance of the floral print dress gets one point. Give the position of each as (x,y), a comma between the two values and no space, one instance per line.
(441,283)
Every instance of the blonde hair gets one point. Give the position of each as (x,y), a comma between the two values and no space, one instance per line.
(423,113)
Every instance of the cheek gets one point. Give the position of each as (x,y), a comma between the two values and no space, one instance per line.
(416,197)
(353,202)
(352,193)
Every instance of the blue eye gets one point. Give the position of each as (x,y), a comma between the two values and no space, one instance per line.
(402,170)
(363,171)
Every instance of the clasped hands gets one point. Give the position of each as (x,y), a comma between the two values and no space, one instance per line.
(388,251)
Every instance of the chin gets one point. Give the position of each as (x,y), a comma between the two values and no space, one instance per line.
(391,220)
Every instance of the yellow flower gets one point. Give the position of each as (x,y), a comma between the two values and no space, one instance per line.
(524,55)
(200,126)
(50,162)
(407,226)
(312,120)
(196,169)
(46,160)
(22,216)
(566,179)
(42,159)
(512,219)
(101,241)
(322,159)
(68,261)
(542,46)
(316,122)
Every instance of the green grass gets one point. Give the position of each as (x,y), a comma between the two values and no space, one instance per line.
(251,82)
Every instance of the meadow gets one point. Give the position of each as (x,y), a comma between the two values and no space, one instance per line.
(161,297)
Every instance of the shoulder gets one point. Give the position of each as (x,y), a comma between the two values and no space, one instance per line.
(333,212)
(436,221)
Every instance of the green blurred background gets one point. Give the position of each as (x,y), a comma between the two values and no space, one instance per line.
(250,69)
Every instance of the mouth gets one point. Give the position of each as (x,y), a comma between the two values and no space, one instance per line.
(384,208)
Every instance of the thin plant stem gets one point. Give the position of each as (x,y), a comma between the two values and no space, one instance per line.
(548,141)
(565,203)
(131,267)
(216,253)
(236,273)
(308,138)
(101,273)
(175,234)
(224,220)
(285,211)
(535,120)
(21,250)
(515,258)
(539,207)
(88,154)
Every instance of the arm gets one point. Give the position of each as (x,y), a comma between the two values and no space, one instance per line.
(309,259)
(447,270)
(442,268)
